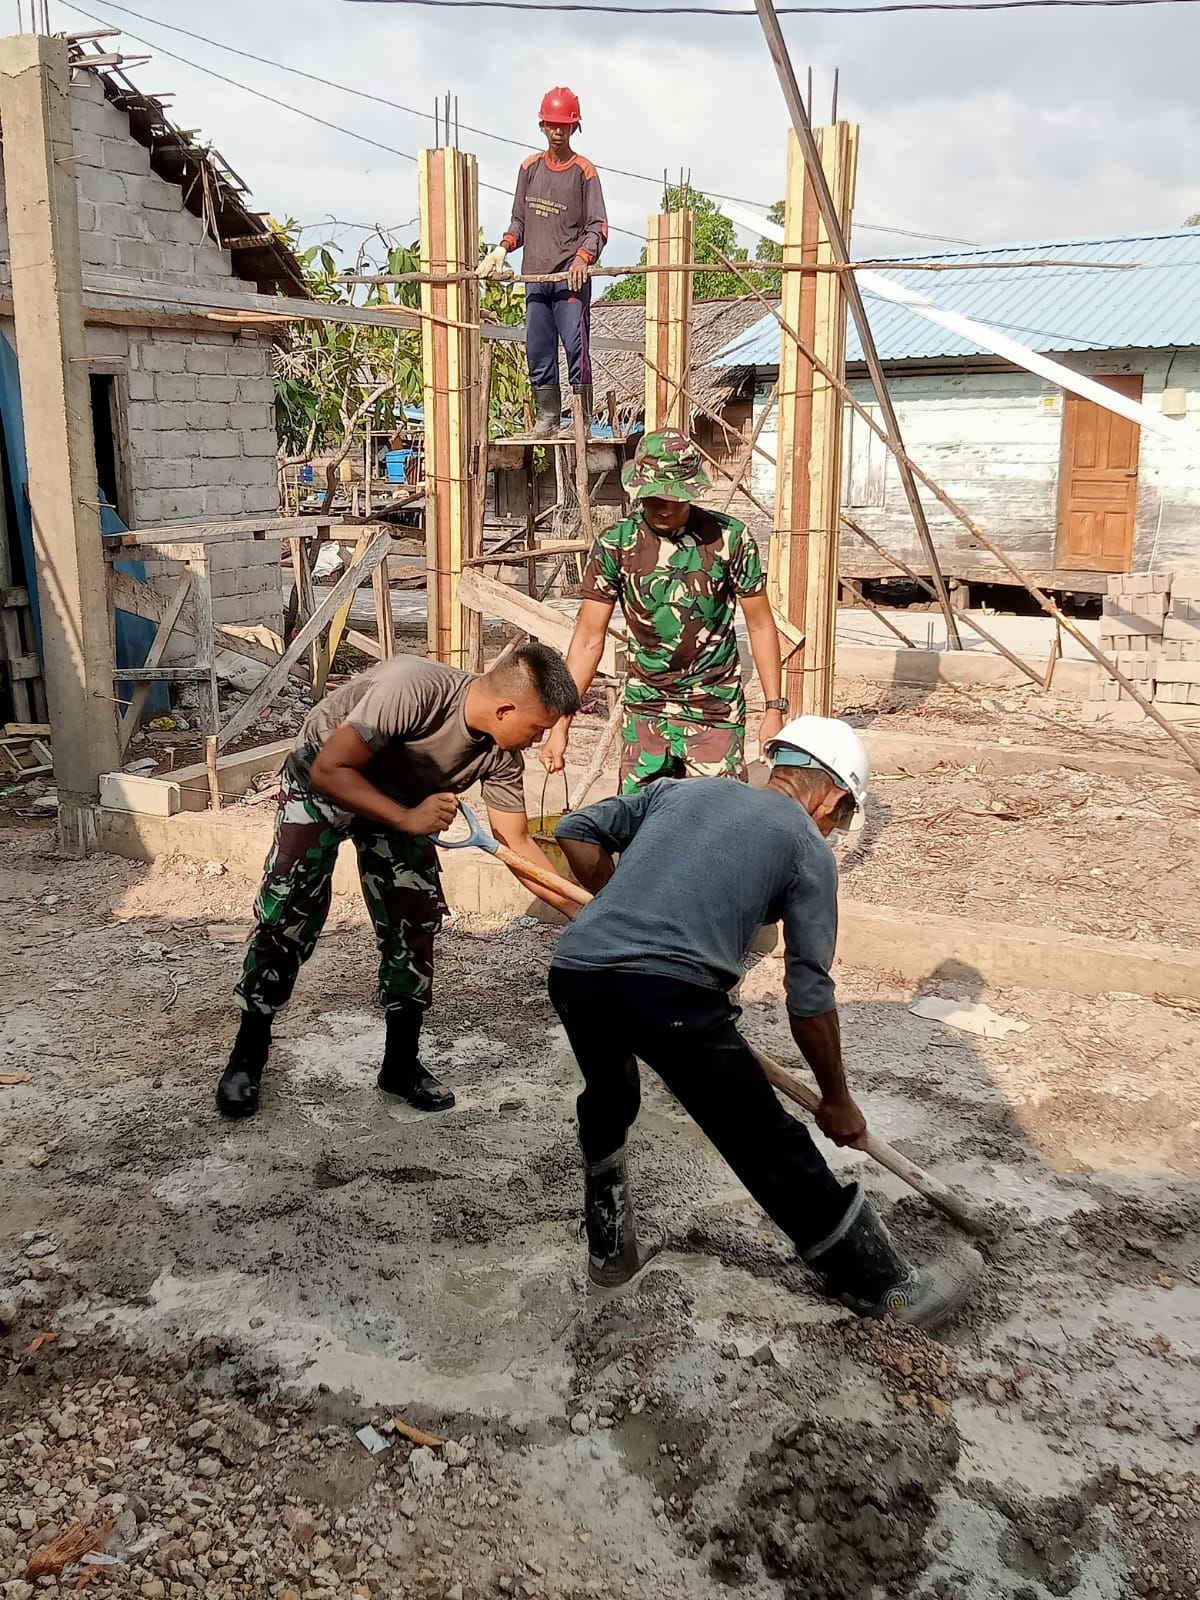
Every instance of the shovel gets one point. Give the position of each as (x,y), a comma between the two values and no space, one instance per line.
(955,1206)
(478,838)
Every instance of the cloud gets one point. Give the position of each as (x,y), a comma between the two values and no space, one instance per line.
(985,127)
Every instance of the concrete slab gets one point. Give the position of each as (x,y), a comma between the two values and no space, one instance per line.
(875,936)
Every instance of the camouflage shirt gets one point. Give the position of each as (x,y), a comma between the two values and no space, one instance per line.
(679,598)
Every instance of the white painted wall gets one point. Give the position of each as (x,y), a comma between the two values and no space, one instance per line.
(993,441)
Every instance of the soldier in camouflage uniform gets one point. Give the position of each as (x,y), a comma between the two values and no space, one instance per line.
(379,762)
(678,572)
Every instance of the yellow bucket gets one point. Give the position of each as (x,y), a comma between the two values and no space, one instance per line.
(543,825)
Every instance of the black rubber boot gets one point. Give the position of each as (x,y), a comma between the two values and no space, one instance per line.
(862,1268)
(615,1253)
(584,391)
(402,1073)
(237,1092)
(547,403)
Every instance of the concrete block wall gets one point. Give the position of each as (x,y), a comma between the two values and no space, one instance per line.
(200,408)
(1151,628)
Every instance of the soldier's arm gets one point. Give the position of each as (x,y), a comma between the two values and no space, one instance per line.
(764,647)
(583,657)
(338,773)
(512,829)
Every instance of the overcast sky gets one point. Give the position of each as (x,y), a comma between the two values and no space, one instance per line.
(1043,124)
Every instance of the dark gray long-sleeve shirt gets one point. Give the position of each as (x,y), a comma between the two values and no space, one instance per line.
(704,863)
(558,213)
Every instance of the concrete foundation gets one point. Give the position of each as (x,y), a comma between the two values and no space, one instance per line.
(874,936)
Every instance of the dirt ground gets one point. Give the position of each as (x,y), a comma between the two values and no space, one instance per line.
(230,1303)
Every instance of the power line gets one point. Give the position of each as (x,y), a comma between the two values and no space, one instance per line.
(486,133)
(287,105)
(783,11)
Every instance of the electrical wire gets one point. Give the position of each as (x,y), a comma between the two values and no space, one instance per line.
(486,133)
(782,11)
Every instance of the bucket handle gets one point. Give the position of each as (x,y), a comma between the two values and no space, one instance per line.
(566,794)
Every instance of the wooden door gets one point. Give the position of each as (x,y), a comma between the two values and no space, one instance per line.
(1098,483)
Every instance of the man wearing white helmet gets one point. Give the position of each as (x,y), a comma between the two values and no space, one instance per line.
(644,972)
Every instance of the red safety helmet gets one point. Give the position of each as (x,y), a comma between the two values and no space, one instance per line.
(560,105)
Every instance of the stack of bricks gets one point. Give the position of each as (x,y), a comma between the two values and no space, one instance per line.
(1150,628)
(1177,679)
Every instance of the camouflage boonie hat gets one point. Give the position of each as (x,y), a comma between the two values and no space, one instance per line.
(666,467)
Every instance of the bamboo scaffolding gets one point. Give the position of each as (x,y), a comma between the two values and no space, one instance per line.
(649,268)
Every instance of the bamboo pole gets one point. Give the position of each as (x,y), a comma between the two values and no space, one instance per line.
(837,240)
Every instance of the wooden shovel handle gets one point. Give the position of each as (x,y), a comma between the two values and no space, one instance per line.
(955,1206)
(542,875)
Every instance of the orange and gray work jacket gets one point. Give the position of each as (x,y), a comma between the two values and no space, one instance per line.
(558,214)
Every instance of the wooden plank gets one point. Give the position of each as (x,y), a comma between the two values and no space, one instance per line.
(551,547)
(342,615)
(472,621)
(193,674)
(385,623)
(137,703)
(364,642)
(26,730)
(669,242)
(307,604)
(216,532)
(492,599)
(150,600)
(206,644)
(260,698)
(450,361)
(580,426)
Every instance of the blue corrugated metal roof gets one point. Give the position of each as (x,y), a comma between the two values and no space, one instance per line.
(1047,308)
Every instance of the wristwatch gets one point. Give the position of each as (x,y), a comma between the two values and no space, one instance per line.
(777,705)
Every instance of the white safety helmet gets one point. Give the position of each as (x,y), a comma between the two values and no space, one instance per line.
(829,743)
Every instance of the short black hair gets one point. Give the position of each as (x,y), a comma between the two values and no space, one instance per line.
(536,667)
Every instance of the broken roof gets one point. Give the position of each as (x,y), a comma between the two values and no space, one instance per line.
(211,188)
(714,323)
(1156,305)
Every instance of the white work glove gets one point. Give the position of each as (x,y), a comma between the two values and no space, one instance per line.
(493,263)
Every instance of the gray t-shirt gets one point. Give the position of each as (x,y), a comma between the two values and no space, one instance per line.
(412,714)
(704,863)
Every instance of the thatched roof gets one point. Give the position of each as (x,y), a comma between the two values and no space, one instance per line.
(618,334)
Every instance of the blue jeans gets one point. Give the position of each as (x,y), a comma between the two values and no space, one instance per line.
(554,313)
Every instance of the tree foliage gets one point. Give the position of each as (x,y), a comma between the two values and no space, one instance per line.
(1193,221)
(715,236)
(335,381)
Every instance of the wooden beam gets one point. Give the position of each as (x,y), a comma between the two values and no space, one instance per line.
(47,291)
(137,701)
(450,359)
(259,699)
(341,616)
(669,242)
(220,532)
(492,599)
(150,600)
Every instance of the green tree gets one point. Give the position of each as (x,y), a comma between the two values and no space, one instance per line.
(334,381)
(1193,221)
(715,236)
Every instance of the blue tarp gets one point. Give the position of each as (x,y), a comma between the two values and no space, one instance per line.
(134,635)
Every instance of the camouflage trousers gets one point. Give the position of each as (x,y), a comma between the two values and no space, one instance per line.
(400,884)
(673,747)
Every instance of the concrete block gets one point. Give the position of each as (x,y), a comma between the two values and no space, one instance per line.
(247,360)
(99,251)
(1186,586)
(88,216)
(120,220)
(225,390)
(123,791)
(140,384)
(140,256)
(181,504)
(165,475)
(1138,666)
(1138,583)
(225,502)
(260,500)
(112,343)
(176,444)
(260,442)
(1134,614)
(250,416)
(103,188)
(257,391)
(144,417)
(85,90)
(219,444)
(208,415)
(207,358)
(1180,628)
(1178,671)
(210,473)
(175,386)
(126,155)
(165,355)
(225,583)
(89,115)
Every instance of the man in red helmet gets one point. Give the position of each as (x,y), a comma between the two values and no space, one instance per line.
(559,221)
